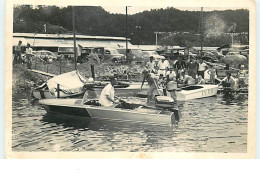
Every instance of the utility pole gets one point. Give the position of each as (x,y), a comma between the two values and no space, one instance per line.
(156,38)
(74,37)
(201,31)
(126,42)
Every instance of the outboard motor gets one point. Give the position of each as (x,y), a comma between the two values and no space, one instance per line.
(164,102)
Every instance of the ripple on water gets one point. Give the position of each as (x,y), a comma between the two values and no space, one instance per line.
(214,124)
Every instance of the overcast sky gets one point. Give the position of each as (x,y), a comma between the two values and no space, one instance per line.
(137,9)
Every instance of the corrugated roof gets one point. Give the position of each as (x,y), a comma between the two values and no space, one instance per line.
(40,42)
(66,36)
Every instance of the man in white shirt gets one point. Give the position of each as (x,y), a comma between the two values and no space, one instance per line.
(150,65)
(202,68)
(163,66)
(28,53)
(107,96)
(228,81)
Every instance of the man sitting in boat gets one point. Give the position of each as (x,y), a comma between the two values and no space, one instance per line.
(186,79)
(228,81)
(201,80)
(107,96)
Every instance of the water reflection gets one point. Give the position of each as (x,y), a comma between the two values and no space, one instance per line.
(213,124)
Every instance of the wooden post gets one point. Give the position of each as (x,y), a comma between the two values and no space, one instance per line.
(92,71)
(58,90)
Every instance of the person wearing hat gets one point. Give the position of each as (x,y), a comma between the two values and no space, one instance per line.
(228,81)
(107,96)
(149,77)
(163,66)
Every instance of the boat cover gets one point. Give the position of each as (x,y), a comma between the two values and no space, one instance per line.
(70,83)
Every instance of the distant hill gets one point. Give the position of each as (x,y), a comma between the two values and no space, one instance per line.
(141,26)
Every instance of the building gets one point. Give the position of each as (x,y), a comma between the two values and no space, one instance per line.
(53,42)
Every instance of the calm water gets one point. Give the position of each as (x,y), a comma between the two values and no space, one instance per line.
(215,124)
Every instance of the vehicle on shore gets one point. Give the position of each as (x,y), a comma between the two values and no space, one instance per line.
(234,55)
(148,54)
(217,54)
(109,55)
(209,57)
(45,55)
(135,55)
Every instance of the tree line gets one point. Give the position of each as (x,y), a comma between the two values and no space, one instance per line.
(176,27)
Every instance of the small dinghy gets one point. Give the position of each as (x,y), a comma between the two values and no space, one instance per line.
(163,113)
(196,91)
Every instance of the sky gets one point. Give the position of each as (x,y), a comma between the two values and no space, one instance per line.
(137,9)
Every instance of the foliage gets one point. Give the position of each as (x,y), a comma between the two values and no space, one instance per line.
(142,26)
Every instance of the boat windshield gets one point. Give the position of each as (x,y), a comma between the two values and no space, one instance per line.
(192,88)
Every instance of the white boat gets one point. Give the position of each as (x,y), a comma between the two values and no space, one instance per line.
(196,91)
(65,85)
(119,112)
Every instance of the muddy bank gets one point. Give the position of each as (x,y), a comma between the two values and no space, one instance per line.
(23,79)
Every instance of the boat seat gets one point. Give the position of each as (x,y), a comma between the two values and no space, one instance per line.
(92,102)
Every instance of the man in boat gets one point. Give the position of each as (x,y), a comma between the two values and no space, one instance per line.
(228,81)
(201,80)
(150,65)
(149,77)
(107,96)
(186,79)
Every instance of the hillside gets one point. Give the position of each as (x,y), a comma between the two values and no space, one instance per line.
(141,26)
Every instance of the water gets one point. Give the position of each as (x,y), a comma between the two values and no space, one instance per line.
(214,124)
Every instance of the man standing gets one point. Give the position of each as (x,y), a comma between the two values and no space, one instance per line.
(202,68)
(29,56)
(163,66)
(107,96)
(150,65)
(192,68)
(152,86)
(17,53)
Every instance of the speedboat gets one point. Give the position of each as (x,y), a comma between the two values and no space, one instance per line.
(196,91)
(163,113)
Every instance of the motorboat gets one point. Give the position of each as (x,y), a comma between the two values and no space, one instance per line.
(196,91)
(163,113)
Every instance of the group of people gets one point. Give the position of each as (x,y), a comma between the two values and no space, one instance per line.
(18,59)
(190,71)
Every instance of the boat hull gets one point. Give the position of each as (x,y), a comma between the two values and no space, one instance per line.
(203,91)
(141,114)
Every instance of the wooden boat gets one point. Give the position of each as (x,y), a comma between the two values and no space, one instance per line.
(119,112)
(196,91)
(42,92)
